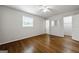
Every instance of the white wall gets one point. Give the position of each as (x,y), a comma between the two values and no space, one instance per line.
(0,25)
(58,29)
(75,26)
(11,25)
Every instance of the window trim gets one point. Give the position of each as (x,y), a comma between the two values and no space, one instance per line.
(28,25)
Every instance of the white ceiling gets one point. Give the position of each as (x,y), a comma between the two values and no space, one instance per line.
(37,9)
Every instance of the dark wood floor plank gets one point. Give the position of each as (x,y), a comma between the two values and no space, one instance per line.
(43,44)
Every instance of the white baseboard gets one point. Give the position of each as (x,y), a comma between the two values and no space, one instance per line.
(19,39)
(74,38)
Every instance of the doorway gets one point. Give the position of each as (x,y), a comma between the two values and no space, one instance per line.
(47,26)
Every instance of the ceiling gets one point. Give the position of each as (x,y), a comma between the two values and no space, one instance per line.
(37,9)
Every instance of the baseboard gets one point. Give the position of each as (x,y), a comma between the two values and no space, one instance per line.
(76,39)
(30,37)
(56,36)
(68,35)
(21,39)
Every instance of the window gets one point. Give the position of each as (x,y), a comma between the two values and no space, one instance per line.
(68,20)
(68,25)
(27,21)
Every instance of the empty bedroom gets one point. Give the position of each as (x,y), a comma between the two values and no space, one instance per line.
(39,28)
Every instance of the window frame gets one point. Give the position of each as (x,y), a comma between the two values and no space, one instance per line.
(26,20)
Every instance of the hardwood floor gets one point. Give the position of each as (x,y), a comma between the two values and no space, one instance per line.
(43,44)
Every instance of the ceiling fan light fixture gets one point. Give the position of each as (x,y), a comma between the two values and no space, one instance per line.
(46,10)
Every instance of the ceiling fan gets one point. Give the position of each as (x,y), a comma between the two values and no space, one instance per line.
(45,8)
